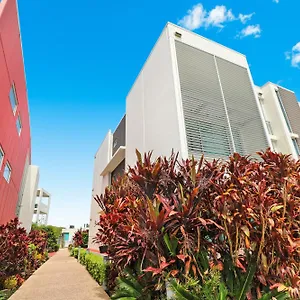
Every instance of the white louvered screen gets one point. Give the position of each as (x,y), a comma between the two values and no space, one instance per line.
(247,127)
(292,109)
(203,107)
(208,128)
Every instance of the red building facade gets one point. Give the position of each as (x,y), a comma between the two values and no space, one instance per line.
(15,146)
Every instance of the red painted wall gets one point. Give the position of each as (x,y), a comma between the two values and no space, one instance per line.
(15,147)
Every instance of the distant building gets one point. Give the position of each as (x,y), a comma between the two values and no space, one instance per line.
(281,112)
(67,235)
(41,207)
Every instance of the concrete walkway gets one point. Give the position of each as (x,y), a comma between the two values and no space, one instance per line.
(60,278)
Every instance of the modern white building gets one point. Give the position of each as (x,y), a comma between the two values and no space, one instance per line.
(194,96)
(28,196)
(34,202)
(41,207)
(281,112)
(67,235)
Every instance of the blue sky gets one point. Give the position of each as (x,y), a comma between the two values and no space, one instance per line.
(82,57)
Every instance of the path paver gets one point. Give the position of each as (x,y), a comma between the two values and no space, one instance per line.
(60,278)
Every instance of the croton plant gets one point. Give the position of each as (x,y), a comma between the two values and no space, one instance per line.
(167,219)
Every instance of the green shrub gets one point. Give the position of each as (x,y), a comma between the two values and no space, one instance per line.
(96,267)
(82,256)
(10,283)
(74,252)
(53,235)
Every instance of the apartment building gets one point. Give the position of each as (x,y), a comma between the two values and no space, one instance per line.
(18,177)
(281,112)
(196,97)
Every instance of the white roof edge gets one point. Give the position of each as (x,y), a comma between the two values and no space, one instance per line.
(120,122)
(108,132)
(170,24)
(44,191)
(277,85)
(194,33)
(145,62)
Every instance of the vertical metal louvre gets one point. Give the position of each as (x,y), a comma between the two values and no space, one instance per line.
(246,124)
(203,106)
(292,109)
(219,106)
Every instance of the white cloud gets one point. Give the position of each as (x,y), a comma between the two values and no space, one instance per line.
(218,16)
(296,48)
(296,60)
(253,30)
(276,1)
(195,17)
(245,18)
(198,17)
(294,56)
(287,55)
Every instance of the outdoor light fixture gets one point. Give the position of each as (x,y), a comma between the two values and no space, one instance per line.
(177,34)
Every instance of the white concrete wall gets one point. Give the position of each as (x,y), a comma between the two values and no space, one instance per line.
(152,111)
(275,116)
(29,195)
(102,158)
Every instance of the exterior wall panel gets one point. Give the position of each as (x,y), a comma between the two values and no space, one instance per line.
(152,121)
(102,157)
(16,147)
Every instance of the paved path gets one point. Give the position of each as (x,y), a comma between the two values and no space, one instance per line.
(60,278)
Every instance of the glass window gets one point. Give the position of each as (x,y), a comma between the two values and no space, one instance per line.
(296,146)
(270,129)
(13,99)
(1,157)
(7,172)
(19,124)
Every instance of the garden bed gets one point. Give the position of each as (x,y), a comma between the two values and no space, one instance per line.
(203,230)
(21,254)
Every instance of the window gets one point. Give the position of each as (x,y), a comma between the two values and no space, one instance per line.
(13,99)
(19,124)
(270,129)
(7,172)
(1,157)
(296,146)
(274,144)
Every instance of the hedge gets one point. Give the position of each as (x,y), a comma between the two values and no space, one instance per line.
(94,264)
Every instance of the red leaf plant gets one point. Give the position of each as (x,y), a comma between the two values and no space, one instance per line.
(163,215)
(80,238)
(16,255)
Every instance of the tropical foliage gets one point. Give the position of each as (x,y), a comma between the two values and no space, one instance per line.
(20,254)
(80,238)
(53,235)
(230,227)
